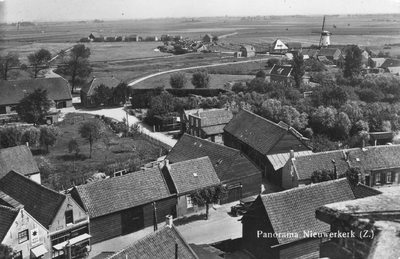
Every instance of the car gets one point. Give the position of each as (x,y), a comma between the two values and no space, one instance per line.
(242,207)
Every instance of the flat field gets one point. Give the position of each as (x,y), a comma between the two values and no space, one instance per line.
(217,81)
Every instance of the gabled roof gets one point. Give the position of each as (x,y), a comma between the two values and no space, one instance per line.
(228,163)
(110,82)
(193,174)
(293,211)
(123,192)
(306,165)
(256,131)
(213,130)
(391,62)
(39,201)
(209,35)
(309,52)
(159,244)
(214,117)
(247,47)
(11,92)
(293,45)
(7,218)
(375,157)
(328,52)
(19,159)
(362,191)
(95,34)
(279,45)
(279,160)
(278,70)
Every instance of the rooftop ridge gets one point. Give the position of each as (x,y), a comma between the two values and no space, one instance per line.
(213,143)
(10,208)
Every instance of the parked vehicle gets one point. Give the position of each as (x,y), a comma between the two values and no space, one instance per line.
(241,208)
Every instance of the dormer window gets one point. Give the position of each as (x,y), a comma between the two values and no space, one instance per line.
(69,217)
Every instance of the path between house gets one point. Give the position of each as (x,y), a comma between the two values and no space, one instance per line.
(188,68)
(118,114)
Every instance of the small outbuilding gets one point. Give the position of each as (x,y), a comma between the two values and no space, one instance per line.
(248,51)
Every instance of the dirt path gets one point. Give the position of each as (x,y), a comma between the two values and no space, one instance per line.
(188,68)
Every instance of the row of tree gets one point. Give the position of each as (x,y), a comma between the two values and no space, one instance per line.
(200,79)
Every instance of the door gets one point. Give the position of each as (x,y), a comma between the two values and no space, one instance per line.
(132,220)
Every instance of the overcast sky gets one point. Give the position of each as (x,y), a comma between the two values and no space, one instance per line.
(53,10)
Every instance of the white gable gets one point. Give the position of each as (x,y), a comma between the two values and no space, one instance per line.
(278,45)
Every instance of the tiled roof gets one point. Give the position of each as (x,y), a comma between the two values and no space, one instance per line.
(39,201)
(293,45)
(11,92)
(187,112)
(214,117)
(281,70)
(213,130)
(159,244)
(7,200)
(306,165)
(7,217)
(193,174)
(327,52)
(123,192)
(309,52)
(362,191)
(279,160)
(391,62)
(228,162)
(375,157)
(248,47)
(293,211)
(95,82)
(19,159)
(256,131)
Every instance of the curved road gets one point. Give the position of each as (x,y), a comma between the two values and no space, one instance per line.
(188,68)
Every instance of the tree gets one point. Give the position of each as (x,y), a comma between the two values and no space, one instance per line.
(314,65)
(201,79)
(352,65)
(91,131)
(322,176)
(207,196)
(76,66)
(73,147)
(261,74)
(102,94)
(122,92)
(178,80)
(10,136)
(215,39)
(38,60)
(31,136)
(353,174)
(7,62)
(34,107)
(6,252)
(48,136)
(298,68)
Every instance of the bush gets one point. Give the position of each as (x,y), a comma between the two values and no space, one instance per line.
(178,80)
(201,79)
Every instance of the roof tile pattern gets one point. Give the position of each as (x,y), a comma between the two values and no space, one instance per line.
(95,82)
(159,244)
(362,191)
(293,211)
(123,192)
(11,92)
(39,201)
(256,131)
(19,159)
(281,70)
(193,174)
(214,117)
(7,217)
(377,157)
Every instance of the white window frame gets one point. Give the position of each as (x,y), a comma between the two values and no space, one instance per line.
(389,177)
(189,203)
(378,178)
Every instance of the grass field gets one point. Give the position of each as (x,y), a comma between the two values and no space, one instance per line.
(217,81)
(119,154)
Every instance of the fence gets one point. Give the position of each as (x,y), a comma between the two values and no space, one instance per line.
(155,141)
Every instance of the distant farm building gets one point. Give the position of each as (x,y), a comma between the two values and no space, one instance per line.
(281,75)
(332,54)
(294,46)
(248,51)
(133,37)
(391,65)
(88,91)
(309,53)
(278,47)
(377,62)
(94,35)
(207,38)
(151,38)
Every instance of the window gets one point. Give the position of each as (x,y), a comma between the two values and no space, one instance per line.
(69,217)
(23,236)
(189,202)
(389,177)
(377,178)
(18,255)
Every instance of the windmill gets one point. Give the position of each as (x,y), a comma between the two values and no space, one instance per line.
(325,39)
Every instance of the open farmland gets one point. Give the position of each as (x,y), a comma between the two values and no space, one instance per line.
(217,81)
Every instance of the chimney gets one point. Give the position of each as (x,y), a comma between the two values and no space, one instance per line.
(291,153)
(167,164)
(168,221)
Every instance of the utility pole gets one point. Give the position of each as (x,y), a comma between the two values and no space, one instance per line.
(155,216)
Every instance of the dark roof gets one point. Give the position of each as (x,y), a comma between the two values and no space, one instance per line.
(293,45)
(214,117)
(309,52)
(193,174)
(94,34)
(110,82)
(306,165)
(391,62)
(137,188)
(256,131)
(376,157)
(213,130)
(247,47)
(7,200)
(206,251)
(381,135)
(159,244)
(209,35)
(362,191)
(328,52)
(278,70)
(39,201)
(229,163)
(11,92)
(19,159)
(7,218)
(293,211)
